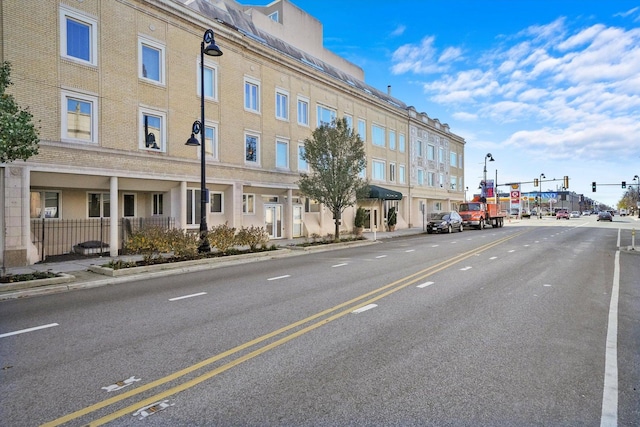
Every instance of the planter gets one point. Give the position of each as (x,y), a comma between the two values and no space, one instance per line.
(26,284)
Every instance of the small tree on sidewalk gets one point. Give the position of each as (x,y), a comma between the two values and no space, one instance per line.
(335,155)
(18,136)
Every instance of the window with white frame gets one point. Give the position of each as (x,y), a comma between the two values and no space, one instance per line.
(282,105)
(303,111)
(453,159)
(216,202)
(377,135)
(78,36)
(326,116)
(441,180)
(431,179)
(420,177)
(98,205)
(282,155)
(210,81)
(349,120)
(460,164)
(392,140)
(248,204)
(157,204)
(419,148)
(392,172)
(275,16)
(303,166)
(401,143)
(211,141)
(128,205)
(440,154)
(45,204)
(151,57)
(362,129)
(437,206)
(377,170)
(401,174)
(193,206)
(251,95)
(251,149)
(431,152)
(152,130)
(454,182)
(79,117)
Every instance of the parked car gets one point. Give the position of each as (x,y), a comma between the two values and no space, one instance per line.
(574,214)
(605,216)
(445,222)
(562,213)
(623,212)
(586,213)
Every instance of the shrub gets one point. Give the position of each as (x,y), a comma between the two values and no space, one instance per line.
(183,243)
(149,241)
(252,237)
(359,219)
(222,237)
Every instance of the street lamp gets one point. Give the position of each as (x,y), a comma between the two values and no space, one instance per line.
(637,178)
(207,46)
(484,182)
(540,195)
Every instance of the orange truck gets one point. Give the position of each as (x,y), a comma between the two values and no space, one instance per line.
(479,214)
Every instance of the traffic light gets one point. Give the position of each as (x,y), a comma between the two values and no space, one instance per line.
(566,182)
(535,182)
(624,184)
(593,187)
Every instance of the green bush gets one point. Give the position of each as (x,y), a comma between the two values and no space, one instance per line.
(222,237)
(149,241)
(252,237)
(183,243)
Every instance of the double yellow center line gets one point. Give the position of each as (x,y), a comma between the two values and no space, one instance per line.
(320,319)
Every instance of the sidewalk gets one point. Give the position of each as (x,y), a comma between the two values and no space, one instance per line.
(81,277)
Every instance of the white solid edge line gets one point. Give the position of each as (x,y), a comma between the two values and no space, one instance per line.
(280,277)
(609,416)
(22,331)
(187,296)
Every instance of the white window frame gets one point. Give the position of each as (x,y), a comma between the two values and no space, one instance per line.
(157,204)
(349,119)
(460,163)
(257,154)
(248,204)
(420,177)
(377,167)
(65,14)
(280,143)
(282,105)
(303,119)
(162,142)
(65,95)
(419,148)
(319,111)
(441,154)
(392,139)
(215,150)
(103,214)
(250,104)
(454,182)
(437,206)
(431,152)
(377,132)
(402,174)
(431,179)
(142,42)
(212,205)
(453,159)
(441,180)
(42,198)
(362,129)
(193,221)
(303,166)
(213,67)
(402,143)
(392,172)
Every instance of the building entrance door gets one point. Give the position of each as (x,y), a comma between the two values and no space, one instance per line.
(297,220)
(273,220)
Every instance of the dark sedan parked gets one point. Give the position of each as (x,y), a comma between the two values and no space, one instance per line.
(445,222)
(605,216)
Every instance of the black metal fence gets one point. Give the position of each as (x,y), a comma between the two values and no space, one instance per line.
(86,236)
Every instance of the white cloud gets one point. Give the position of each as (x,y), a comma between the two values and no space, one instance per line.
(399,30)
(418,59)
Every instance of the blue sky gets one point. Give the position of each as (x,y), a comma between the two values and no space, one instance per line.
(546,87)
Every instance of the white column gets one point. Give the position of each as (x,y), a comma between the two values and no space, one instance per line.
(113,216)
(288,215)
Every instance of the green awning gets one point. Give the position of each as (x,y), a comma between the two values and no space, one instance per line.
(376,192)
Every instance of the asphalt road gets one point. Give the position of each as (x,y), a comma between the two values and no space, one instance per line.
(495,327)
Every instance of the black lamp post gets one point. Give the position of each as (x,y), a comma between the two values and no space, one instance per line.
(484,182)
(637,178)
(540,196)
(207,46)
